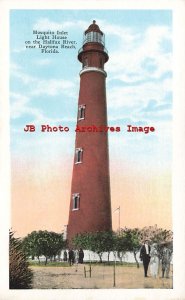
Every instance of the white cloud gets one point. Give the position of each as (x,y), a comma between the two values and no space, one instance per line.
(17,72)
(135,95)
(141,63)
(127,61)
(20,105)
(15,67)
(55,121)
(18,50)
(51,87)
(43,62)
(125,35)
(46,24)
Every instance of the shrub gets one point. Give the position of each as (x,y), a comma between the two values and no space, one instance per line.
(20,276)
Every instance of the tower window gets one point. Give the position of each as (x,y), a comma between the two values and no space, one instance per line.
(81,112)
(76,201)
(78,155)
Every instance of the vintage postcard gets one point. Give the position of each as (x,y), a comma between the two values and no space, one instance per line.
(92,149)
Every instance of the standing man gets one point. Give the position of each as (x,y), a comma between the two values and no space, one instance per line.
(81,256)
(65,255)
(145,256)
(71,257)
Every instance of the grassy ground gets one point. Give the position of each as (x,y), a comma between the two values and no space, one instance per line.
(63,276)
(66,264)
(49,264)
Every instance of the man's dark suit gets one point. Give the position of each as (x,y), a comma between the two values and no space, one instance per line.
(145,258)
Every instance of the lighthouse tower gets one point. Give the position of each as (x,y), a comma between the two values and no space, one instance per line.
(90,204)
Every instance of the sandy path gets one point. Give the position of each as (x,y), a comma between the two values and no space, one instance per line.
(102,277)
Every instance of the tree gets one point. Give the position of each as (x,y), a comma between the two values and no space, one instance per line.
(131,241)
(57,243)
(102,241)
(30,245)
(109,241)
(45,243)
(155,234)
(82,240)
(159,236)
(20,276)
(98,242)
(134,238)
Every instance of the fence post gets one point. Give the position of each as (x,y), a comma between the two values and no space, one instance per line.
(84,272)
(90,270)
(114,273)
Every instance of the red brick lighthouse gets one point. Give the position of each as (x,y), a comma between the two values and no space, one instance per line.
(90,204)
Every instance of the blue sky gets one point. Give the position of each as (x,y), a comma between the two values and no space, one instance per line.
(44,87)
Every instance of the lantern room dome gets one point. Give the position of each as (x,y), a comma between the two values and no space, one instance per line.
(94,28)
